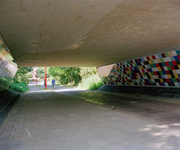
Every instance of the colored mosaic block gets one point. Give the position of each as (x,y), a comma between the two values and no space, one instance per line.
(178,52)
(156,70)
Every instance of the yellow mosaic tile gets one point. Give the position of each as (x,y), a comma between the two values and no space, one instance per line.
(169,76)
(150,62)
(170,53)
(159,68)
(158,60)
(161,80)
(176,75)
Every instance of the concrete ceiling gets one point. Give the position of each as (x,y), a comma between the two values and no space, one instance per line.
(88,32)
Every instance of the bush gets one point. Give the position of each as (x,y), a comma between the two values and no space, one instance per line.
(5,81)
(62,80)
(91,83)
(19,87)
(25,78)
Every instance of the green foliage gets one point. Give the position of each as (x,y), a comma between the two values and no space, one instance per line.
(21,74)
(25,78)
(65,75)
(5,81)
(88,76)
(87,72)
(91,83)
(19,87)
(41,72)
(21,79)
(24,70)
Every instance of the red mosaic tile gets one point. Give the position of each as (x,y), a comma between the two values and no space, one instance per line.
(174,62)
(148,58)
(154,57)
(167,64)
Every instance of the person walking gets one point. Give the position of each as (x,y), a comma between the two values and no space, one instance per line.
(53,83)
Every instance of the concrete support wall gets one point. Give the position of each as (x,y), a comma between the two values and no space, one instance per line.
(7,71)
(7,67)
(161,70)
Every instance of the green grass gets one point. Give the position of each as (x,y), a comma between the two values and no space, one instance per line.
(91,83)
(19,87)
(69,86)
(38,85)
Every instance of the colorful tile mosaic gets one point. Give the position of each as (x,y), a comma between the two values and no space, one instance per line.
(156,70)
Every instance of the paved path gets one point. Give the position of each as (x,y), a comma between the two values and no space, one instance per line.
(81,120)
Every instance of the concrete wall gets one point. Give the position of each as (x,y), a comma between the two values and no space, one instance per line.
(7,67)
(7,100)
(161,70)
(7,71)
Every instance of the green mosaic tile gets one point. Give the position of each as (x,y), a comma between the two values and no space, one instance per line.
(172,75)
(169,68)
(151,65)
(166,54)
(152,61)
(162,60)
(174,80)
(178,62)
(161,73)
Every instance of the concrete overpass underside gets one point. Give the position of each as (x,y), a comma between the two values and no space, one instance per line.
(88,33)
(135,44)
(131,42)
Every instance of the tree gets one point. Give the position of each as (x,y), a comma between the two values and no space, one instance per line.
(40,72)
(65,75)
(25,78)
(22,71)
(87,72)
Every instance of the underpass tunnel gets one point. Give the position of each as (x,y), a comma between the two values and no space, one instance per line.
(140,97)
(135,47)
